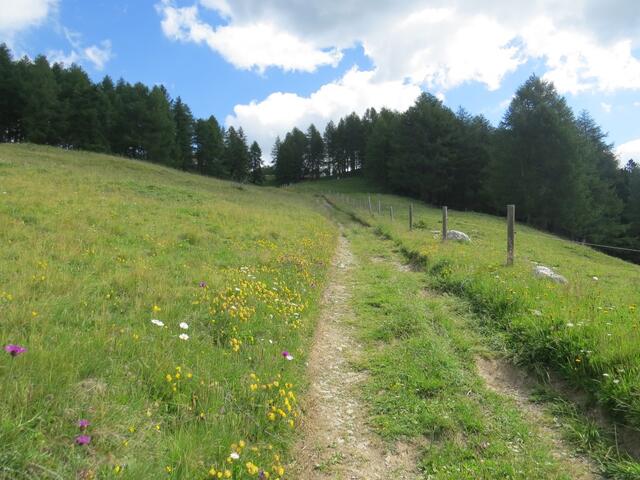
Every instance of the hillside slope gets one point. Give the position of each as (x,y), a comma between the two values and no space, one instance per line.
(587,330)
(102,259)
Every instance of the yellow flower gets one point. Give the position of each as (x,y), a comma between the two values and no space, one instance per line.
(227,474)
(168,468)
(156,309)
(212,472)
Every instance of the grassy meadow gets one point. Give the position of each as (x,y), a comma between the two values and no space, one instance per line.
(587,330)
(158,306)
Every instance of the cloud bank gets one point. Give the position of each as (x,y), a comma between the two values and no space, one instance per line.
(584,46)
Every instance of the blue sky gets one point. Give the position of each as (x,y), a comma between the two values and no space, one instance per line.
(269,65)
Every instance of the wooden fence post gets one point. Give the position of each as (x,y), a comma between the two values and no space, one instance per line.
(370,210)
(391,211)
(511,219)
(411,216)
(379,207)
(445,221)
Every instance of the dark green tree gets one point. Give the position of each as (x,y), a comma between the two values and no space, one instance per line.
(537,166)
(209,143)
(379,147)
(236,154)
(159,133)
(255,164)
(314,157)
(184,135)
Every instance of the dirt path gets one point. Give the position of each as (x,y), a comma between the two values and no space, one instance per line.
(505,379)
(336,442)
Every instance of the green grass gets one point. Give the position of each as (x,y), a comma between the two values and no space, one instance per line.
(588,330)
(422,384)
(95,247)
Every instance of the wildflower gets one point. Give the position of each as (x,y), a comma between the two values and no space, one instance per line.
(168,469)
(203,284)
(83,424)
(287,355)
(157,322)
(183,336)
(83,439)
(235,455)
(14,350)
(156,308)
(569,324)
(184,326)
(595,278)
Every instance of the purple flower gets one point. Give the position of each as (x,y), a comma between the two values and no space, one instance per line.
(14,350)
(83,424)
(203,284)
(287,355)
(83,439)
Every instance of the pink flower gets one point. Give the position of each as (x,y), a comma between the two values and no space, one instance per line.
(287,355)
(83,424)
(14,350)
(203,284)
(83,439)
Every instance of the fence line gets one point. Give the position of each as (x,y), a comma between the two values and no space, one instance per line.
(548,235)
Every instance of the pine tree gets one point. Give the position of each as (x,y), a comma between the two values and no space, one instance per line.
(209,142)
(255,164)
(184,135)
(159,133)
(315,152)
(236,154)
(537,167)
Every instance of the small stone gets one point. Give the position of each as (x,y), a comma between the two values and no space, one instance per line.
(545,272)
(458,236)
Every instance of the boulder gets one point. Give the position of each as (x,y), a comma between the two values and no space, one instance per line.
(458,236)
(545,272)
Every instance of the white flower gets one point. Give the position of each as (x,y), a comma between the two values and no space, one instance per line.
(157,322)
(289,357)
(569,324)
(605,374)
(235,455)
(183,336)
(184,326)
(616,381)
(595,278)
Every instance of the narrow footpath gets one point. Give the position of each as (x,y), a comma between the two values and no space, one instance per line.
(487,426)
(337,443)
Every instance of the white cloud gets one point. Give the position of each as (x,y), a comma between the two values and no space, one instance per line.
(414,44)
(253,45)
(606,107)
(95,55)
(577,62)
(629,150)
(354,92)
(636,104)
(99,55)
(435,43)
(17,15)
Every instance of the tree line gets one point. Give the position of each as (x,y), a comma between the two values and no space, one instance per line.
(57,105)
(556,166)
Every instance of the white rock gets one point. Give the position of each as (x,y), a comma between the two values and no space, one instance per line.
(458,236)
(545,272)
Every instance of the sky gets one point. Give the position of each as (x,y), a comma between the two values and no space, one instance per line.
(270,65)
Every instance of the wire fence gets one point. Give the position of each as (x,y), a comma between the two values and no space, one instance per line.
(366,204)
